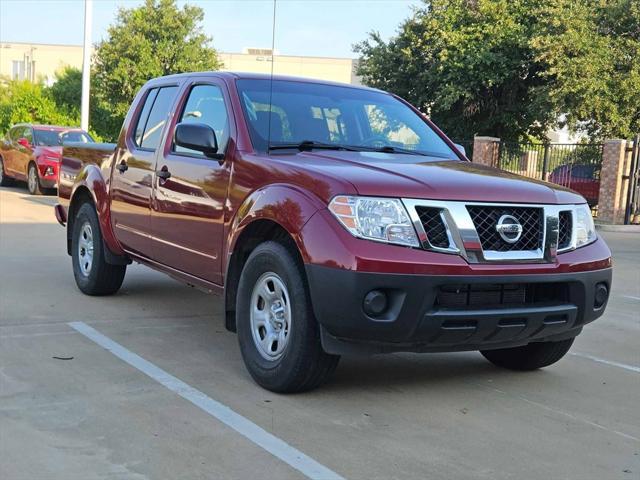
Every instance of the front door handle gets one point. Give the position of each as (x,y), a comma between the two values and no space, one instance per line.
(164,173)
(123,167)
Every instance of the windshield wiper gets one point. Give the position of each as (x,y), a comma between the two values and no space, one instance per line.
(391,149)
(308,145)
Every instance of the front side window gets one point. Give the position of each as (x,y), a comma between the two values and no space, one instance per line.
(153,117)
(206,105)
(28,135)
(357,118)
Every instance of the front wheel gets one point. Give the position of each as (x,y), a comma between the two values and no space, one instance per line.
(94,276)
(33,180)
(529,357)
(278,334)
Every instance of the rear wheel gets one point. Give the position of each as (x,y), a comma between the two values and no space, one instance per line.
(4,180)
(94,276)
(278,334)
(529,357)
(33,180)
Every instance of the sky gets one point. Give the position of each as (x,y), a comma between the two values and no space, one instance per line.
(326,28)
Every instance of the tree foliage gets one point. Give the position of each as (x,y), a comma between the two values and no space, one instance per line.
(152,40)
(23,101)
(515,68)
(66,92)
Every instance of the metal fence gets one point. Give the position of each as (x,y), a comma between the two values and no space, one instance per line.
(576,165)
(632,211)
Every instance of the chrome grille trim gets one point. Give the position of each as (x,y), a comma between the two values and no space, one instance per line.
(464,239)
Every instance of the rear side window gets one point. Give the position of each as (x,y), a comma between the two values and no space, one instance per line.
(17,133)
(144,115)
(153,117)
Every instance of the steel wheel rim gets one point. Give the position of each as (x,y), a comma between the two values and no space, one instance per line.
(85,249)
(33,179)
(270,316)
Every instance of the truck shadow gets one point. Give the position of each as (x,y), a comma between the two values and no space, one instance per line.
(397,372)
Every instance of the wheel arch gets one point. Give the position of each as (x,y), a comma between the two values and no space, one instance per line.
(90,187)
(278,213)
(254,234)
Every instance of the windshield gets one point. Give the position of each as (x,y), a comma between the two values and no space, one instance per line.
(334,115)
(50,138)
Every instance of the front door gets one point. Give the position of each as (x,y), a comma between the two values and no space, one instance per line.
(132,177)
(187,218)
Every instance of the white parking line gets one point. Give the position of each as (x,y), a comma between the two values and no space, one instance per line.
(631,368)
(252,432)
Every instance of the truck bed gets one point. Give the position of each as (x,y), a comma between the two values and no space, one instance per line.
(77,157)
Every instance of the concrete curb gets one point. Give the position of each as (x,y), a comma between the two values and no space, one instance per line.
(618,228)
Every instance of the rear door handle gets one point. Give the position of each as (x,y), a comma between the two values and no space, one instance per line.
(123,167)
(164,173)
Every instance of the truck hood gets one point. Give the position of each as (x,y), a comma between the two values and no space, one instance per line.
(412,176)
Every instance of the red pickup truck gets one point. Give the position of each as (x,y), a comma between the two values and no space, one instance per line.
(333,220)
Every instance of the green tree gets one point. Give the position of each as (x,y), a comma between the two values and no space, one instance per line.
(152,40)
(590,53)
(66,92)
(514,68)
(23,101)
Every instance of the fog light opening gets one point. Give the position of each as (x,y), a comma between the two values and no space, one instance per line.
(375,303)
(600,296)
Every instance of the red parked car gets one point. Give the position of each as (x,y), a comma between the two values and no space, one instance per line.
(333,220)
(584,179)
(31,153)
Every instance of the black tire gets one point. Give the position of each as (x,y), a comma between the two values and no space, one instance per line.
(303,365)
(33,185)
(4,180)
(97,277)
(529,357)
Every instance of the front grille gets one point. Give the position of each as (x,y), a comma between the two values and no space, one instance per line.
(500,295)
(485,219)
(434,226)
(565,229)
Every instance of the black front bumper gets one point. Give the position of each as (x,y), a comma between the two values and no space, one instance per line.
(415,321)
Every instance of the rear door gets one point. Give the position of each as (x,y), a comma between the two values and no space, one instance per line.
(132,177)
(187,218)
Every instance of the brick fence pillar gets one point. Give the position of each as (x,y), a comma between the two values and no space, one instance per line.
(486,150)
(613,189)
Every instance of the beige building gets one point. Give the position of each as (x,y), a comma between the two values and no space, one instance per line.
(259,61)
(39,62)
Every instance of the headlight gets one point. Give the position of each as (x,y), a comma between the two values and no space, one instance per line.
(381,219)
(585,229)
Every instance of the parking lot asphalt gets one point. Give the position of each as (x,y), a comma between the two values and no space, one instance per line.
(91,414)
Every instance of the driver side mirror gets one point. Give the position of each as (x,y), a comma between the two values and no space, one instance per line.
(24,142)
(199,137)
